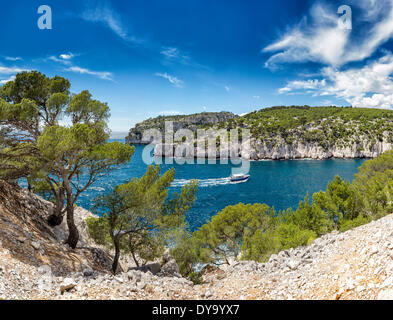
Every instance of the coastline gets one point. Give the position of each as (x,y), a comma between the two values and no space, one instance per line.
(346,154)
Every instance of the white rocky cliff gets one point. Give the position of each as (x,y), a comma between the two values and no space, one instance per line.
(279,151)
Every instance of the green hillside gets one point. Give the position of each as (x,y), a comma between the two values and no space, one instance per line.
(323,125)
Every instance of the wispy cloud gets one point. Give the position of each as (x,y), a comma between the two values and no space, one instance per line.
(169,113)
(4,81)
(103,13)
(327,103)
(227,89)
(100,74)
(13,58)
(66,59)
(9,73)
(172,79)
(10,70)
(173,54)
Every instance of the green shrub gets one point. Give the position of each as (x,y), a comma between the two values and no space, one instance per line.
(350,224)
(254,232)
(292,236)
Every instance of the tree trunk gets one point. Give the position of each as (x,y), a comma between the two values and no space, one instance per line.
(73,233)
(116,242)
(132,250)
(57,216)
(135,259)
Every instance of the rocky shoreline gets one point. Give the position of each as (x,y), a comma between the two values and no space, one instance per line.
(282,151)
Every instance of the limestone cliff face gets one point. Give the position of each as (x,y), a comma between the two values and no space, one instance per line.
(312,150)
(279,151)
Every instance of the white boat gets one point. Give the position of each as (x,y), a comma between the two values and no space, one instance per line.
(239,177)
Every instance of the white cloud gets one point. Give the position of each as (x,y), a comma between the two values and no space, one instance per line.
(173,80)
(256,97)
(60,60)
(318,37)
(375,101)
(67,56)
(302,84)
(321,40)
(227,89)
(100,74)
(367,86)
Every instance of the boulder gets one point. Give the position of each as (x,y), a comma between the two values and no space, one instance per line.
(170,268)
(88,272)
(154,268)
(134,275)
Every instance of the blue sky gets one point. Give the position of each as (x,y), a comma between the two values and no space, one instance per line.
(147,57)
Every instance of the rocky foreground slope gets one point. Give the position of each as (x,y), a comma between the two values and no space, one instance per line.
(35,264)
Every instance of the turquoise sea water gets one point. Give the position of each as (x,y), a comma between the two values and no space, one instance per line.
(281,184)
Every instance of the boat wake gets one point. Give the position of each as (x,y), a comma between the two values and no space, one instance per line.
(202,182)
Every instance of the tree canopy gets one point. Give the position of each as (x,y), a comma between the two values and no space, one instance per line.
(52,156)
(140,217)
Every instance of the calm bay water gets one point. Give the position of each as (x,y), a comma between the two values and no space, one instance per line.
(281,184)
